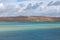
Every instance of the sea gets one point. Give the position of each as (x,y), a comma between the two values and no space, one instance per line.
(29,30)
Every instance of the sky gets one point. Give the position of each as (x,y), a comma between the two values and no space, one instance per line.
(10,8)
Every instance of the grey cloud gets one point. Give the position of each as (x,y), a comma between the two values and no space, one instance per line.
(56,3)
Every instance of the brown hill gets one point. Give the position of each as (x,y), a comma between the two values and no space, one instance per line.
(30,19)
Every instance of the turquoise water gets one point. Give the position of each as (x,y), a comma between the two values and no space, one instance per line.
(11,23)
(29,30)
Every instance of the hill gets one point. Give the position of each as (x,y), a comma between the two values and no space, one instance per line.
(30,19)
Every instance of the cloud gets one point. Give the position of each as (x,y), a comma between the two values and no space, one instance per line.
(30,8)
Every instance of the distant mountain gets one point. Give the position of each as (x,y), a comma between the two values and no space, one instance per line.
(30,19)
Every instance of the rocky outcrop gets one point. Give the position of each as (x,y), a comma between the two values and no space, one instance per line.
(30,19)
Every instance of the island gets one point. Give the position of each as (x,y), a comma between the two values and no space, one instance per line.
(30,19)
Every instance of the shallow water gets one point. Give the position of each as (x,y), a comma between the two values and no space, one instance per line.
(30,31)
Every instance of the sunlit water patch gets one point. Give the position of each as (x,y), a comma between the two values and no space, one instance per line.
(28,27)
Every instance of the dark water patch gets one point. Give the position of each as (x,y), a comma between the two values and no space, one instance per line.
(40,34)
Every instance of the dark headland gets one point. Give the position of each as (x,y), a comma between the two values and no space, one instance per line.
(30,19)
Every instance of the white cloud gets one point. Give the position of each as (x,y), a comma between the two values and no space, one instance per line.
(32,7)
(1,5)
